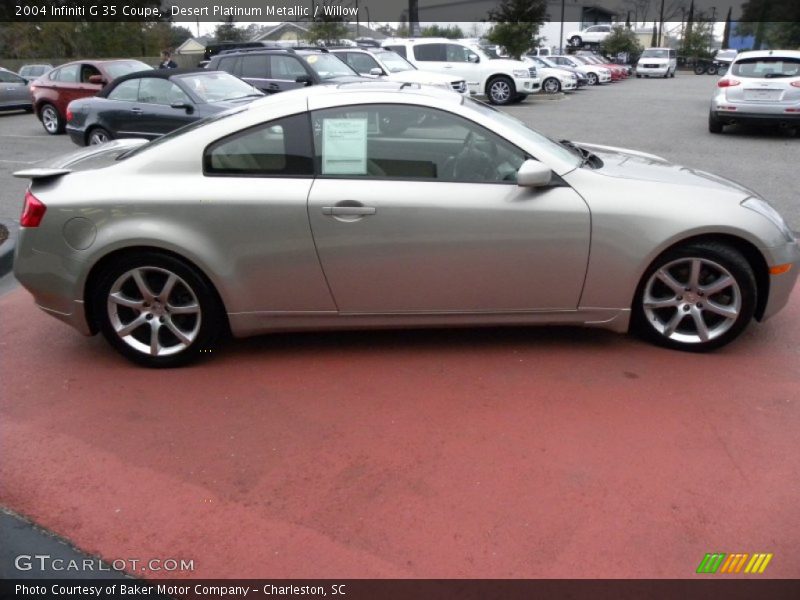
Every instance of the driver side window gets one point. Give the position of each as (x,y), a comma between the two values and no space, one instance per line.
(404,142)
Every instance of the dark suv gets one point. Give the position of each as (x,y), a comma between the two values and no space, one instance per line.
(279,69)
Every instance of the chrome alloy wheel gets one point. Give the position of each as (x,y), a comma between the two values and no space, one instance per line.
(98,136)
(154,311)
(500,91)
(692,300)
(50,119)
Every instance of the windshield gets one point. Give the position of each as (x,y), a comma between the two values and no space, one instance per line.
(655,53)
(550,63)
(218,86)
(532,136)
(181,130)
(118,69)
(767,67)
(328,66)
(394,63)
(490,52)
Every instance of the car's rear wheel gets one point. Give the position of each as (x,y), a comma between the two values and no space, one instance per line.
(98,135)
(699,69)
(551,85)
(575,40)
(500,90)
(157,310)
(696,297)
(52,121)
(592,77)
(714,124)
(712,69)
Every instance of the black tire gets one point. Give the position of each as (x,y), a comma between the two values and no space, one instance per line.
(593,79)
(191,290)
(714,124)
(500,90)
(672,74)
(638,76)
(519,98)
(575,40)
(699,69)
(98,135)
(51,119)
(718,262)
(712,69)
(551,85)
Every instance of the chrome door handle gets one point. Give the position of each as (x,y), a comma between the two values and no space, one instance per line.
(349,211)
(136,110)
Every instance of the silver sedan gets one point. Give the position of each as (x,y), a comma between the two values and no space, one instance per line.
(385,205)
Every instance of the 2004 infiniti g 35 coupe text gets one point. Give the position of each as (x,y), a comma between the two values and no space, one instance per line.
(388,205)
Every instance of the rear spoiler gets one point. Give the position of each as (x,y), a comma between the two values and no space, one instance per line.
(41,173)
(67,163)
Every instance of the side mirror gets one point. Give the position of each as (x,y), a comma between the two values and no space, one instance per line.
(304,79)
(376,72)
(532,173)
(97,79)
(474,58)
(183,106)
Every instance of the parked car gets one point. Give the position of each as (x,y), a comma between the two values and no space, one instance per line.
(274,70)
(595,74)
(213,49)
(15,92)
(761,87)
(149,104)
(618,72)
(31,72)
(502,81)
(591,35)
(657,62)
(554,78)
(298,212)
(53,91)
(385,64)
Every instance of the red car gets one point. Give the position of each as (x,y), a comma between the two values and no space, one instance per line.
(53,91)
(618,72)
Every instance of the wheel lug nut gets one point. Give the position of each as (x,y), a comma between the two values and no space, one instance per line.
(161,319)
(686,308)
(680,297)
(149,316)
(699,305)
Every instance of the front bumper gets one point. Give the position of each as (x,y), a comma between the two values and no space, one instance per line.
(660,70)
(527,85)
(781,286)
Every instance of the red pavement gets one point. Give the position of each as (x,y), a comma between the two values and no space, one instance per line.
(473,453)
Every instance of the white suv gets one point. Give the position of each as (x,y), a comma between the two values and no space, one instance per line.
(591,35)
(502,81)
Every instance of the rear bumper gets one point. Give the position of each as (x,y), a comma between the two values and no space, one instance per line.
(76,135)
(746,116)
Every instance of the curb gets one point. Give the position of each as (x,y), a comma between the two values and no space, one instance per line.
(7,247)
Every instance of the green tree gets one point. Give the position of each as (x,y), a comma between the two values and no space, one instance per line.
(698,43)
(622,39)
(517,24)
(450,32)
(228,31)
(328,28)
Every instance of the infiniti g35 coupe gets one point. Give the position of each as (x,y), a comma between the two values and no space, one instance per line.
(302,211)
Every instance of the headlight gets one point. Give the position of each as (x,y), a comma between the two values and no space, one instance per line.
(765,210)
(521,73)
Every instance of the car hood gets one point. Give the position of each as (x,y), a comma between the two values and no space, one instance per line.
(414,76)
(654,60)
(631,164)
(507,63)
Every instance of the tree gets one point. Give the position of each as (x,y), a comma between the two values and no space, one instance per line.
(774,24)
(327,27)
(726,35)
(654,38)
(689,23)
(517,24)
(698,43)
(622,39)
(227,31)
(450,32)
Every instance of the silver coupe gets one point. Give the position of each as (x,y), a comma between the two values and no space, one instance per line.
(374,204)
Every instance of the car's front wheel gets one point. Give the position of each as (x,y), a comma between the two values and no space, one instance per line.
(500,90)
(593,79)
(551,85)
(696,297)
(157,310)
(52,121)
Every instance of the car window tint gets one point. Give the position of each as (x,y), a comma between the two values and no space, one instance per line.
(362,63)
(88,71)
(768,67)
(401,50)
(160,91)
(280,148)
(456,53)
(286,67)
(411,143)
(68,74)
(430,52)
(227,64)
(7,77)
(127,91)
(256,66)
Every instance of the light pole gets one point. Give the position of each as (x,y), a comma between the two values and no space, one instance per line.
(561,36)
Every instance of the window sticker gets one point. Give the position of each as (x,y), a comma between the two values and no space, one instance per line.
(344,147)
(311,59)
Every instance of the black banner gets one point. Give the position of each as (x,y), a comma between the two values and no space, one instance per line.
(404,589)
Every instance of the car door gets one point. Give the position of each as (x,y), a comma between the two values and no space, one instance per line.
(284,71)
(425,217)
(66,85)
(13,90)
(254,69)
(85,88)
(154,109)
(116,113)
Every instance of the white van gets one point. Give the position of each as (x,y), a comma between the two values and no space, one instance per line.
(657,62)
(501,80)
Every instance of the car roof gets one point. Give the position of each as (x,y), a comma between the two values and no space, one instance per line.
(768,54)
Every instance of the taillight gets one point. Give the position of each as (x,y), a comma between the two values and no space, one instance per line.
(723,83)
(32,212)
(795,83)
(69,114)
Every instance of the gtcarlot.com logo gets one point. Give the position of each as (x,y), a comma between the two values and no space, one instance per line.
(45,562)
(720,562)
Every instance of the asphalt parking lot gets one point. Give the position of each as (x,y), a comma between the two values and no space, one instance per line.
(508,453)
